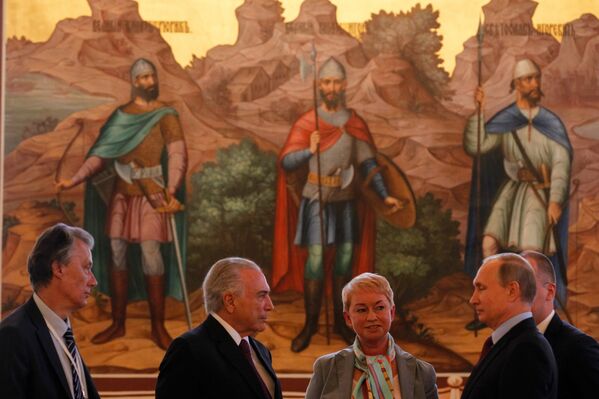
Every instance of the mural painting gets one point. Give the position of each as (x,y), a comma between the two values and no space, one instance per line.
(410,169)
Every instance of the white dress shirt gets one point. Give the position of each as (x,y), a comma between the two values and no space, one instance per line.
(268,381)
(60,326)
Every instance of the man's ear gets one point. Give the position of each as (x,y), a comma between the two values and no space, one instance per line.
(551,292)
(57,269)
(229,302)
(513,289)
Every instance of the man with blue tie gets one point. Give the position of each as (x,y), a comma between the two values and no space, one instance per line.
(38,353)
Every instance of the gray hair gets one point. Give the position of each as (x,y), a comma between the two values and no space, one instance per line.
(371,282)
(54,244)
(544,265)
(224,277)
(514,267)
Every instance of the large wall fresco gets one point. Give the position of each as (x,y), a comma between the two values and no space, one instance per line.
(411,75)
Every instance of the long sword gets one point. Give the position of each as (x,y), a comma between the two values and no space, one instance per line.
(173,227)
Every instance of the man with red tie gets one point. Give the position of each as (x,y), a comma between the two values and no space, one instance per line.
(220,358)
(516,361)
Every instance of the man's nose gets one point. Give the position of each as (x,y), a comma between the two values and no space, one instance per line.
(269,305)
(473,298)
(93,282)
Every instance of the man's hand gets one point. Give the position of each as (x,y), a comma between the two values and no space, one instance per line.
(394,204)
(63,184)
(171,204)
(314,141)
(479,97)
(554,211)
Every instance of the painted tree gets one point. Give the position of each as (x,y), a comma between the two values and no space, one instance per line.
(413,37)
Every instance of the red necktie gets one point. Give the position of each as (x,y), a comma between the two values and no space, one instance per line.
(245,348)
(486,349)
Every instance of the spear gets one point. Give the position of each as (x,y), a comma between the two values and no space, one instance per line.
(320,202)
(477,233)
(479,37)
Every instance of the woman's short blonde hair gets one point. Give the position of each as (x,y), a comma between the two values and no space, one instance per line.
(371,282)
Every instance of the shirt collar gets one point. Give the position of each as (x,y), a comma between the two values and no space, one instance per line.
(542,326)
(232,332)
(508,325)
(59,325)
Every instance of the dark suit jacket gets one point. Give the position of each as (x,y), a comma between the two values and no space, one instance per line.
(577,357)
(29,365)
(334,373)
(206,363)
(520,365)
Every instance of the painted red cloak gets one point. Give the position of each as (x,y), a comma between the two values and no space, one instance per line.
(289,259)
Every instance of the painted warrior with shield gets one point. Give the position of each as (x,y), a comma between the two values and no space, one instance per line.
(323,222)
(143,142)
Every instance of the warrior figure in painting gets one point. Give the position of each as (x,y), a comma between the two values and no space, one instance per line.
(144,142)
(524,174)
(346,148)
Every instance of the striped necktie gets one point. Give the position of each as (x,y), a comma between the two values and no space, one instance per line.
(69,340)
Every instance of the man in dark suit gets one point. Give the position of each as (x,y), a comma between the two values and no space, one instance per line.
(576,354)
(38,354)
(220,358)
(516,361)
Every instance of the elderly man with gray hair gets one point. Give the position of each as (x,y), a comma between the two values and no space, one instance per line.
(220,358)
(516,361)
(38,354)
(131,215)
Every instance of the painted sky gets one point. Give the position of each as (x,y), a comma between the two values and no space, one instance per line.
(213,22)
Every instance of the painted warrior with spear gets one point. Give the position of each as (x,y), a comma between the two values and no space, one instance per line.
(331,181)
(524,158)
(144,143)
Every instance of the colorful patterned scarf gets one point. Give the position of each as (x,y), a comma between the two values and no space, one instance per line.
(377,372)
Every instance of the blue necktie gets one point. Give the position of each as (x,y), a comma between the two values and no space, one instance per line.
(69,340)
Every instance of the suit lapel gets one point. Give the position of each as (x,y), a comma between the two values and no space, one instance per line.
(406,368)
(43,335)
(266,363)
(480,368)
(554,326)
(345,373)
(232,354)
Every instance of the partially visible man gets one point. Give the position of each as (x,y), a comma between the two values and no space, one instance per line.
(38,354)
(220,358)
(516,360)
(144,142)
(524,177)
(576,354)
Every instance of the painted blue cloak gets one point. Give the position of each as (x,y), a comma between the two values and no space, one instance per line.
(493,176)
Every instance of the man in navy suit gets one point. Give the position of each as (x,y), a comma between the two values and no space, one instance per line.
(576,354)
(38,354)
(516,361)
(220,358)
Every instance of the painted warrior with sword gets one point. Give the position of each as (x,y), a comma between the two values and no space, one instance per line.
(524,171)
(323,225)
(144,143)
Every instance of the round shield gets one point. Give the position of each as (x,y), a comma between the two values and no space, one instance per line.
(398,187)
